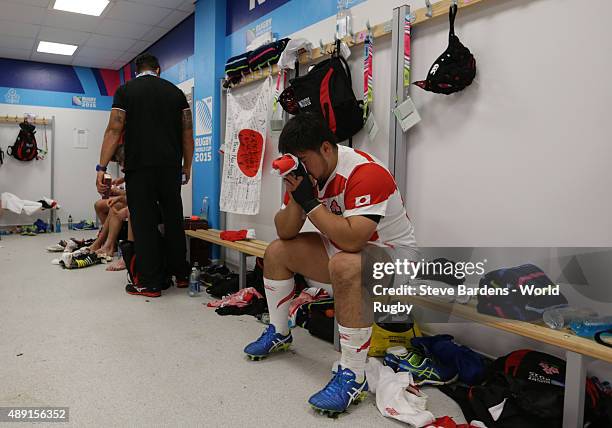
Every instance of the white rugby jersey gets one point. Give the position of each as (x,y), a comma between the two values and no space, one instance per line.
(362,185)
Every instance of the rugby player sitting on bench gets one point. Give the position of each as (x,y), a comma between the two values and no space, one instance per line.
(354,202)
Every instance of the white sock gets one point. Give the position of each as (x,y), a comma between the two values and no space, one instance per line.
(279,294)
(355,344)
(325,286)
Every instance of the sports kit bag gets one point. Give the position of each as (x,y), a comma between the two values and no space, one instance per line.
(235,68)
(266,55)
(25,148)
(514,304)
(327,90)
(238,65)
(386,335)
(455,69)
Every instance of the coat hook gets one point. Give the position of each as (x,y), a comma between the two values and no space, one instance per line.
(429,13)
(352,37)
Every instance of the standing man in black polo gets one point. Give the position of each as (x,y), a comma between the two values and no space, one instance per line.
(156,119)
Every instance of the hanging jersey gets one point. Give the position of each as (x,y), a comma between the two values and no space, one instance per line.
(362,185)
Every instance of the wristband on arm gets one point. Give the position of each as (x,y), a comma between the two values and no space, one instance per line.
(304,194)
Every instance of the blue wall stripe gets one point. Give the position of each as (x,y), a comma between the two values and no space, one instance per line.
(240,15)
(88,80)
(36,75)
(100,82)
(32,97)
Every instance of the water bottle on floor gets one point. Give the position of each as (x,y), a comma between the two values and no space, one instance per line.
(194,283)
(58,225)
(70,222)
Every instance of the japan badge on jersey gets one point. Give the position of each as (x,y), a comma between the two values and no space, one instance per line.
(360,201)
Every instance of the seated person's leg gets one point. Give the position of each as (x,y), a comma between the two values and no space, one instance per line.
(353,309)
(304,254)
(101,238)
(102,209)
(115,221)
(119,264)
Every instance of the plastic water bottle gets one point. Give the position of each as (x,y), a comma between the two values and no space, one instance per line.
(196,266)
(561,317)
(58,225)
(70,222)
(343,19)
(204,209)
(194,283)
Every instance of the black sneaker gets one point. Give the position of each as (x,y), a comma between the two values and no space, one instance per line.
(225,286)
(214,274)
(142,291)
(83,260)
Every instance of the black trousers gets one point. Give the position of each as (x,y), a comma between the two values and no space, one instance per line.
(149,192)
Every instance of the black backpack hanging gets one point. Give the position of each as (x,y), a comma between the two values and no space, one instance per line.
(25,148)
(327,90)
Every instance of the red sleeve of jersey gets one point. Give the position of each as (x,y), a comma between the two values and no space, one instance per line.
(368,188)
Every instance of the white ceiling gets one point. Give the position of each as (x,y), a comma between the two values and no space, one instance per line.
(125,29)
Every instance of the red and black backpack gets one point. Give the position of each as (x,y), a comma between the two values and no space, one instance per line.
(25,148)
(327,90)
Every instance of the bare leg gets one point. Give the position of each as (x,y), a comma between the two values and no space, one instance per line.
(102,209)
(101,238)
(115,221)
(119,265)
(352,303)
(305,254)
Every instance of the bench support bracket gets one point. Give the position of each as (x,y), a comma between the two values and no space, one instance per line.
(575,379)
(242,271)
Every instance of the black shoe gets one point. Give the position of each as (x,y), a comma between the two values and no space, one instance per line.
(214,273)
(142,291)
(225,286)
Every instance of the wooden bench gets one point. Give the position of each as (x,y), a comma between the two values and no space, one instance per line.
(578,350)
(252,247)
